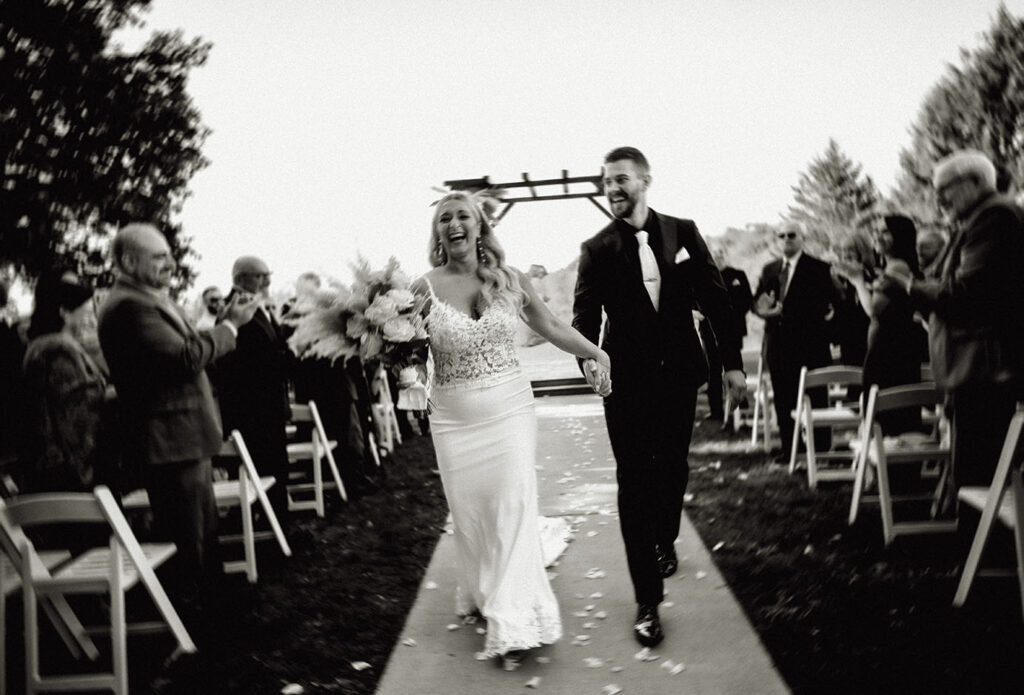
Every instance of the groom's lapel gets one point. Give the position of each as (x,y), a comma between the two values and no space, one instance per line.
(669,240)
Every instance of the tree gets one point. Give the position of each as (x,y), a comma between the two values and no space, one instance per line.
(830,196)
(978,104)
(92,137)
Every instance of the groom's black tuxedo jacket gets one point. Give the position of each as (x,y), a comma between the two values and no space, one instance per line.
(648,346)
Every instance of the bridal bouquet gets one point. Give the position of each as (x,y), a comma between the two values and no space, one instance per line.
(378,318)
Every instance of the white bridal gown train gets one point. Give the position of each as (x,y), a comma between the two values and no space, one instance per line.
(484,429)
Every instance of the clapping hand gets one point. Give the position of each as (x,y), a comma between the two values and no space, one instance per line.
(766,306)
(241,309)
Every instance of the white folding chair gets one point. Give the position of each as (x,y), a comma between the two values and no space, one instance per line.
(878,453)
(998,502)
(108,571)
(316,451)
(842,414)
(245,492)
(763,420)
(385,419)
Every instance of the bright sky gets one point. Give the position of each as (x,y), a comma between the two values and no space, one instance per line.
(332,121)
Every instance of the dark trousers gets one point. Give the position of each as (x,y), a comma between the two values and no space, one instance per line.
(785,376)
(185,513)
(981,415)
(650,437)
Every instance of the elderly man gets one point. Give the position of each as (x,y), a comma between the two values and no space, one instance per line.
(169,419)
(252,382)
(796,297)
(975,304)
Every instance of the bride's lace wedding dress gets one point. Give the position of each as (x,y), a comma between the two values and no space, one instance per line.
(485,434)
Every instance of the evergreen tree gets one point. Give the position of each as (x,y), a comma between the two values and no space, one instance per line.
(91,137)
(979,104)
(830,196)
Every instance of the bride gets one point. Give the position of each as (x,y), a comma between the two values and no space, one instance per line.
(484,426)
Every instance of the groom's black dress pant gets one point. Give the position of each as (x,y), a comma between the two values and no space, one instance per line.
(650,432)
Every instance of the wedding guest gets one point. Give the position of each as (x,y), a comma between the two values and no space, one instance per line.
(69,442)
(213,303)
(894,339)
(643,272)
(169,420)
(929,248)
(975,307)
(796,298)
(252,382)
(740,298)
(851,318)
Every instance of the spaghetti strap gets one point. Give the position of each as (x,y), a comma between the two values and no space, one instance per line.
(430,287)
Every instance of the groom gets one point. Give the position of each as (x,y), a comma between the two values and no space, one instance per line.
(644,270)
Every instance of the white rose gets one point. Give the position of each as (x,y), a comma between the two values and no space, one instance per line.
(381,311)
(398,330)
(403,299)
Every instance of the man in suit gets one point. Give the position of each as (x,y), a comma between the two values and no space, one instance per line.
(252,382)
(740,298)
(644,270)
(796,298)
(975,305)
(169,419)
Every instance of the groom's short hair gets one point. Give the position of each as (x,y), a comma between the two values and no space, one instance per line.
(630,153)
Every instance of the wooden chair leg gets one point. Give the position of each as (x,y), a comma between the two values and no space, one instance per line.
(118,621)
(1017,485)
(812,454)
(318,477)
(248,533)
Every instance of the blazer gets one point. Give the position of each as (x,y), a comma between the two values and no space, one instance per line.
(739,296)
(158,366)
(645,344)
(802,330)
(977,302)
(252,381)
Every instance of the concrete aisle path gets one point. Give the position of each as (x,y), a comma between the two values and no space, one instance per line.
(706,630)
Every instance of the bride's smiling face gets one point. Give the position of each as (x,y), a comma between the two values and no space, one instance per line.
(457,228)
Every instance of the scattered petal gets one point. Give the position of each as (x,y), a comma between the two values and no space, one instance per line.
(808,549)
(481,631)
(430,585)
(718,546)
(589,625)
(583,638)
(742,476)
(543,659)
(601,615)
(581,614)
(360,665)
(594,573)
(701,574)
(645,654)
(688,497)
(589,607)
(409,642)
(677,669)
(668,604)
(597,594)
(292,689)
(453,626)
(533,682)
(593,662)
(668,664)
(611,689)
(591,534)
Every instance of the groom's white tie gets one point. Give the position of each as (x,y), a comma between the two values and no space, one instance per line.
(649,268)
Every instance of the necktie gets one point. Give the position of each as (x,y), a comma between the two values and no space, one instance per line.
(649,268)
(784,279)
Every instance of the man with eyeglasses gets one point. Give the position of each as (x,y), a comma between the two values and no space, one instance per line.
(213,303)
(796,298)
(252,382)
(975,306)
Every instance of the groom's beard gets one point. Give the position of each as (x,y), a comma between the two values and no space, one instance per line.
(623,208)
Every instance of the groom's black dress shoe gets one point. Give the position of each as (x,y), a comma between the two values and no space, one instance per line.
(668,563)
(647,626)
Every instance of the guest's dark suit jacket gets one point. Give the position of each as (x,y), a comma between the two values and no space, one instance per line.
(739,296)
(647,345)
(158,366)
(977,303)
(800,335)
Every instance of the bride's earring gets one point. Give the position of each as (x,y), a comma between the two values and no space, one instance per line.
(480,255)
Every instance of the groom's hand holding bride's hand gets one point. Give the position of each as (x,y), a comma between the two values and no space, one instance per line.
(599,374)
(736,383)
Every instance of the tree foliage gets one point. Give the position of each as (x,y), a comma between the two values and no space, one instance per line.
(830,196)
(977,104)
(92,137)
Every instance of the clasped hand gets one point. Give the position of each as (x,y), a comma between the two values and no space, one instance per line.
(599,375)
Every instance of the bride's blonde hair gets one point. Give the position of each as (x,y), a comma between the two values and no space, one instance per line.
(501,283)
